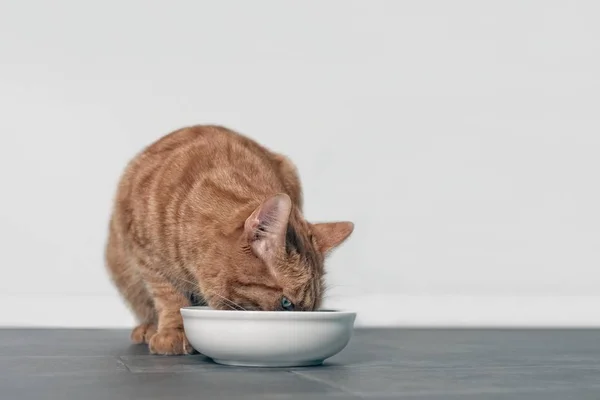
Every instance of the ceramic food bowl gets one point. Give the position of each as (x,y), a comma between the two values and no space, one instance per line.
(267,338)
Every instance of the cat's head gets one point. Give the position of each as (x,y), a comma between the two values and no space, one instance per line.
(279,259)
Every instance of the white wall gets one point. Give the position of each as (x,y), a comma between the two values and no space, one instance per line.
(462,137)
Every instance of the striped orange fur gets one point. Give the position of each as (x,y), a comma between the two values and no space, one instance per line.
(208,216)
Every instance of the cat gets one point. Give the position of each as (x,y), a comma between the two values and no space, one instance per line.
(206,215)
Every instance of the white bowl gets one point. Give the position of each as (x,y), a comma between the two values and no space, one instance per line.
(267,338)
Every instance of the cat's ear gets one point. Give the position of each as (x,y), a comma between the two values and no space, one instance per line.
(265,228)
(331,234)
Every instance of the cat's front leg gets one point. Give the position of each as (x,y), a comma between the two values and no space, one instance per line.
(169,338)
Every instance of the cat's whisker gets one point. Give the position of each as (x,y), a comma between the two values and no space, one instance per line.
(227,305)
(230,301)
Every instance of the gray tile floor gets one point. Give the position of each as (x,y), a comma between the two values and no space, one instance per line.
(377,364)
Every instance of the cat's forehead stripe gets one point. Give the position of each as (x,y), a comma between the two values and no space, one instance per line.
(292,240)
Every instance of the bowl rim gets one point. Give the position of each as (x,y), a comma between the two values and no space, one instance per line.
(207,312)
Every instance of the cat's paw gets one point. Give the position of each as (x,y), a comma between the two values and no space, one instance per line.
(170,342)
(142,333)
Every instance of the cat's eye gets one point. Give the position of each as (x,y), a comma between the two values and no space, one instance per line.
(286,304)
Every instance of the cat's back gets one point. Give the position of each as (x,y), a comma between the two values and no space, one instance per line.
(200,154)
(204,169)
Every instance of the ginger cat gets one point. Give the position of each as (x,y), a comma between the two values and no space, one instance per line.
(208,216)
